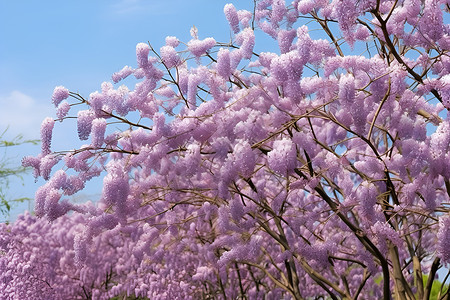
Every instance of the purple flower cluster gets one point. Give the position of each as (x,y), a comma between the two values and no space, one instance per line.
(46,135)
(232,17)
(59,94)
(199,47)
(84,123)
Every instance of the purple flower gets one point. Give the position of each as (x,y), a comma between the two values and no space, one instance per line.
(46,164)
(84,123)
(282,158)
(80,247)
(51,204)
(278,11)
(122,74)
(431,23)
(169,56)
(172,41)
(34,162)
(62,110)
(142,51)
(96,100)
(39,198)
(59,94)
(58,180)
(244,158)
(232,17)
(98,132)
(444,239)
(347,89)
(199,47)
(115,187)
(305,6)
(223,63)
(246,39)
(285,38)
(46,135)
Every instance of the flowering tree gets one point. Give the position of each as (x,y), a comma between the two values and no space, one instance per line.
(319,170)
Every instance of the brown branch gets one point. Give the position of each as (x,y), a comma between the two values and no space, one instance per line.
(393,51)
(434,267)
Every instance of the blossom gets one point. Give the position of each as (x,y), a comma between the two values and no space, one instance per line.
(40,197)
(51,206)
(245,17)
(278,11)
(223,63)
(282,158)
(232,17)
(347,89)
(96,100)
(80,245)
(444,239)
(431,23)
(59,94)
(169,56)
(46,164)
(63,110)
(172,41)
(246,39)
(46,134)
(142,51)
(31,161)
(98,131)
(199,47)
(84,123)
(122,74)
(244,158)
(285,38)
(305,6)
(115,187)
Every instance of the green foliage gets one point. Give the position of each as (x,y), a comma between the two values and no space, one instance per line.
(437,289)
(9,172)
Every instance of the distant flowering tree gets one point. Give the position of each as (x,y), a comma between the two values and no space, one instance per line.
(319,170)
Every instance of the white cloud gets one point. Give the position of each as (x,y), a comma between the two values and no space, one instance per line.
(22,114)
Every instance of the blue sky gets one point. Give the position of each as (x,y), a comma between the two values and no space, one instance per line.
(80,44)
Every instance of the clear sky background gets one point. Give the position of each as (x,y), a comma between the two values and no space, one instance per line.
(80,44)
